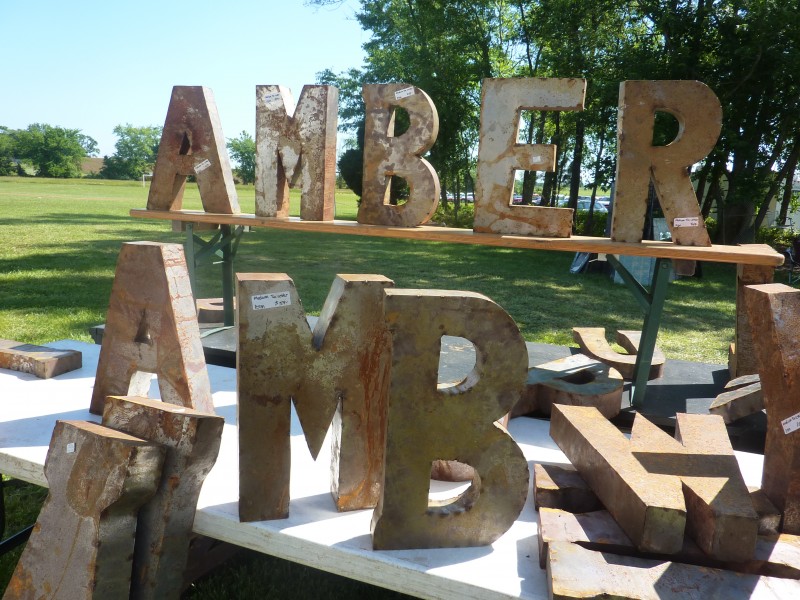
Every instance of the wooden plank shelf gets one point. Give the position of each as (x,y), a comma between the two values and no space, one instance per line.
(752,254)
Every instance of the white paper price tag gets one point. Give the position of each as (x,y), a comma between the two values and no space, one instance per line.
(686,222)
(265,301)
(404,93)
(791,424)
(202,166)
(71,448)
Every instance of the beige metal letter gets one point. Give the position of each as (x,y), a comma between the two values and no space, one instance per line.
(192,143)
(499,154)
(386,156)
(151,327)
(699,116)
(296,146)
(339,372)
(427,422)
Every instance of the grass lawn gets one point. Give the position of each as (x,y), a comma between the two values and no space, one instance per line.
(60,241)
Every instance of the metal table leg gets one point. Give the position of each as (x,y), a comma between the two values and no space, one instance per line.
(652,304)
(220,249)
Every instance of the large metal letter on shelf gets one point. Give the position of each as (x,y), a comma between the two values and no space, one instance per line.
(428,423)
(297,147)
(82,544)
(151,327)
(499,154)
(337,372)
(192,143)
(387,155)
(699,115)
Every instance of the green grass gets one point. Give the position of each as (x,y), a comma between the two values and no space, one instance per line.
(59,246)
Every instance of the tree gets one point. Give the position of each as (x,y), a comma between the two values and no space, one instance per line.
(7,166)
(243,152)
(54,151)
(136,151)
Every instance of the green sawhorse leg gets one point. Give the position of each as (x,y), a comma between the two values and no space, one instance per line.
(220,249)
(652,304)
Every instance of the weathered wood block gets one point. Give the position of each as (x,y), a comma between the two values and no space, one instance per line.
(769,517)
(742,357)
(41,361)
(427,422)
(82,543)
(774,311)
(595,530)
(576,380)
(339,372)
(775,556)
(387,155)
(738,403)
(192,441)
(151,327)
(592,341)
(499,154)
(560,487)
(645,490)
(192,143)
(297,149)
(574,572)
(699,115)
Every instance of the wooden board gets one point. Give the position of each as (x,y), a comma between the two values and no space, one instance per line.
(750,254)
(37,360)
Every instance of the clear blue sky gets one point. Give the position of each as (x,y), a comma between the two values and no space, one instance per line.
(94,64)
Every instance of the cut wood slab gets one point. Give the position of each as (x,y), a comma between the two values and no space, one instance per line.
(738,403)
(37,360)
(574,572)
(592,341)
(577,380)
(775,556)
(562,487)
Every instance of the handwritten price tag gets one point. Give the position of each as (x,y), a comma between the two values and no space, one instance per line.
(791,424)
(404,93)
(686,222)
(265,301)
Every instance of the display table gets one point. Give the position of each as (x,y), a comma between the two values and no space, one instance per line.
(315,534)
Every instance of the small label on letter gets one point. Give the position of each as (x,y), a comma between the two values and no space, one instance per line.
(791,424)
(404,93)
(71,448)
(686,222)
(202,166)
(264,301)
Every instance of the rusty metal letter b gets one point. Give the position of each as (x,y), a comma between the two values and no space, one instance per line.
(387,155)
(427,422)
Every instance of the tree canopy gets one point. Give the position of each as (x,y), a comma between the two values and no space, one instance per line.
(53,151)
(136,150)
(243,151)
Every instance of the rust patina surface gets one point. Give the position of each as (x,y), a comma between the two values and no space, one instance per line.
(82,543)
(296,147)
(192,143)
(151,327)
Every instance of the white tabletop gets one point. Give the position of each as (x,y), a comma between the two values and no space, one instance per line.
(315,534)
